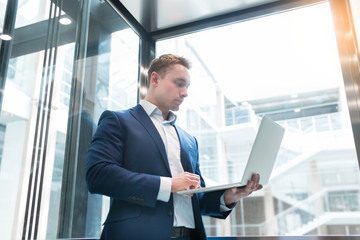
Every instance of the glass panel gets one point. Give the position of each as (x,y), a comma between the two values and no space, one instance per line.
(285,66)
(110,82)
(17,130)
(2,14)
(37,108)
(60,117)
(23,126)
(116,89)
(123,70)
(31,11)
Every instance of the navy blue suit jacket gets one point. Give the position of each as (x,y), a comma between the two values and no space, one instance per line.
(125,161)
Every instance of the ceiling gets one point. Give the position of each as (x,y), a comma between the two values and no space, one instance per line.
(156,15)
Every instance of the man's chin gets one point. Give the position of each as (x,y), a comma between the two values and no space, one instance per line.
(176,108)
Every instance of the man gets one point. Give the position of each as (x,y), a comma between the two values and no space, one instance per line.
(140,158)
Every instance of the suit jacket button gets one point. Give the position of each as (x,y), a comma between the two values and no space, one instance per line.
(170,213)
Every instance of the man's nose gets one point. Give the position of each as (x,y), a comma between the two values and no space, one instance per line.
(184,92)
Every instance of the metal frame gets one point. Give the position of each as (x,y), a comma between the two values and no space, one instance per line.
(236,16)
(129,19)
(348,49)
(71,156)
(38,159)
(146,47)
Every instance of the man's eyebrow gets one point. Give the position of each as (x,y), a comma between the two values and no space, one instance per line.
(183,80)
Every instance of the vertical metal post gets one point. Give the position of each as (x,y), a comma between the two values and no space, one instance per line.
(146,54)
(147,42)
(39,156)
(146,47)
(5,49)
(67,210)
(348,49)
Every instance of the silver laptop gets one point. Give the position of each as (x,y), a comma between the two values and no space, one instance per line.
(261,160)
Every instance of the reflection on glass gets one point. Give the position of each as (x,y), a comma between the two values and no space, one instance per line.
(59,128)
(17,117)
(123,70)
(116,89)
(116,86)
(5,37)
(285,66)
(2,13)
(110,82)
(31,11)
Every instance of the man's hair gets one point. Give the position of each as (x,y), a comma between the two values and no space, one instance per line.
(161,64)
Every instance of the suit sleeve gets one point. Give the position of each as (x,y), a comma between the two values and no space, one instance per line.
(104,166)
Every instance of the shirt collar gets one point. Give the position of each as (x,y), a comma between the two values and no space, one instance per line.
(153,110)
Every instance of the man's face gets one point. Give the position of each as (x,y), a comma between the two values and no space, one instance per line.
(171,88)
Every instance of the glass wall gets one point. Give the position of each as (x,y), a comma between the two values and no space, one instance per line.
(285,66)
(70,60)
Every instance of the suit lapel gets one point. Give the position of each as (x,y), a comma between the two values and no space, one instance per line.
(139,114)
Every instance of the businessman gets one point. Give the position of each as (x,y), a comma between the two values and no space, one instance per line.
(140,158)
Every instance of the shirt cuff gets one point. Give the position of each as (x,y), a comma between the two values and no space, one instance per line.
(223,207)
(165,189)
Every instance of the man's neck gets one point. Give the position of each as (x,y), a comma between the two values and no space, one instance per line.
(165,114)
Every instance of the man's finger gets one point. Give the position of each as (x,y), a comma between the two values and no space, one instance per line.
(192,181)
(249,185)
(191,175)
(257,179)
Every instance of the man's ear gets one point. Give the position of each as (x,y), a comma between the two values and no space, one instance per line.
(154,79)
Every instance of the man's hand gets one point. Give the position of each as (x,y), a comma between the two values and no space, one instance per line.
(233,195)
(184,181)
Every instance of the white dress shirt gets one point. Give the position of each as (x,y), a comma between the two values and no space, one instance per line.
(183,211)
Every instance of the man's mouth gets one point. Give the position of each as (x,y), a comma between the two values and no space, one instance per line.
(179,101)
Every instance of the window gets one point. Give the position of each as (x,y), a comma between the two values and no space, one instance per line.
(285,66)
